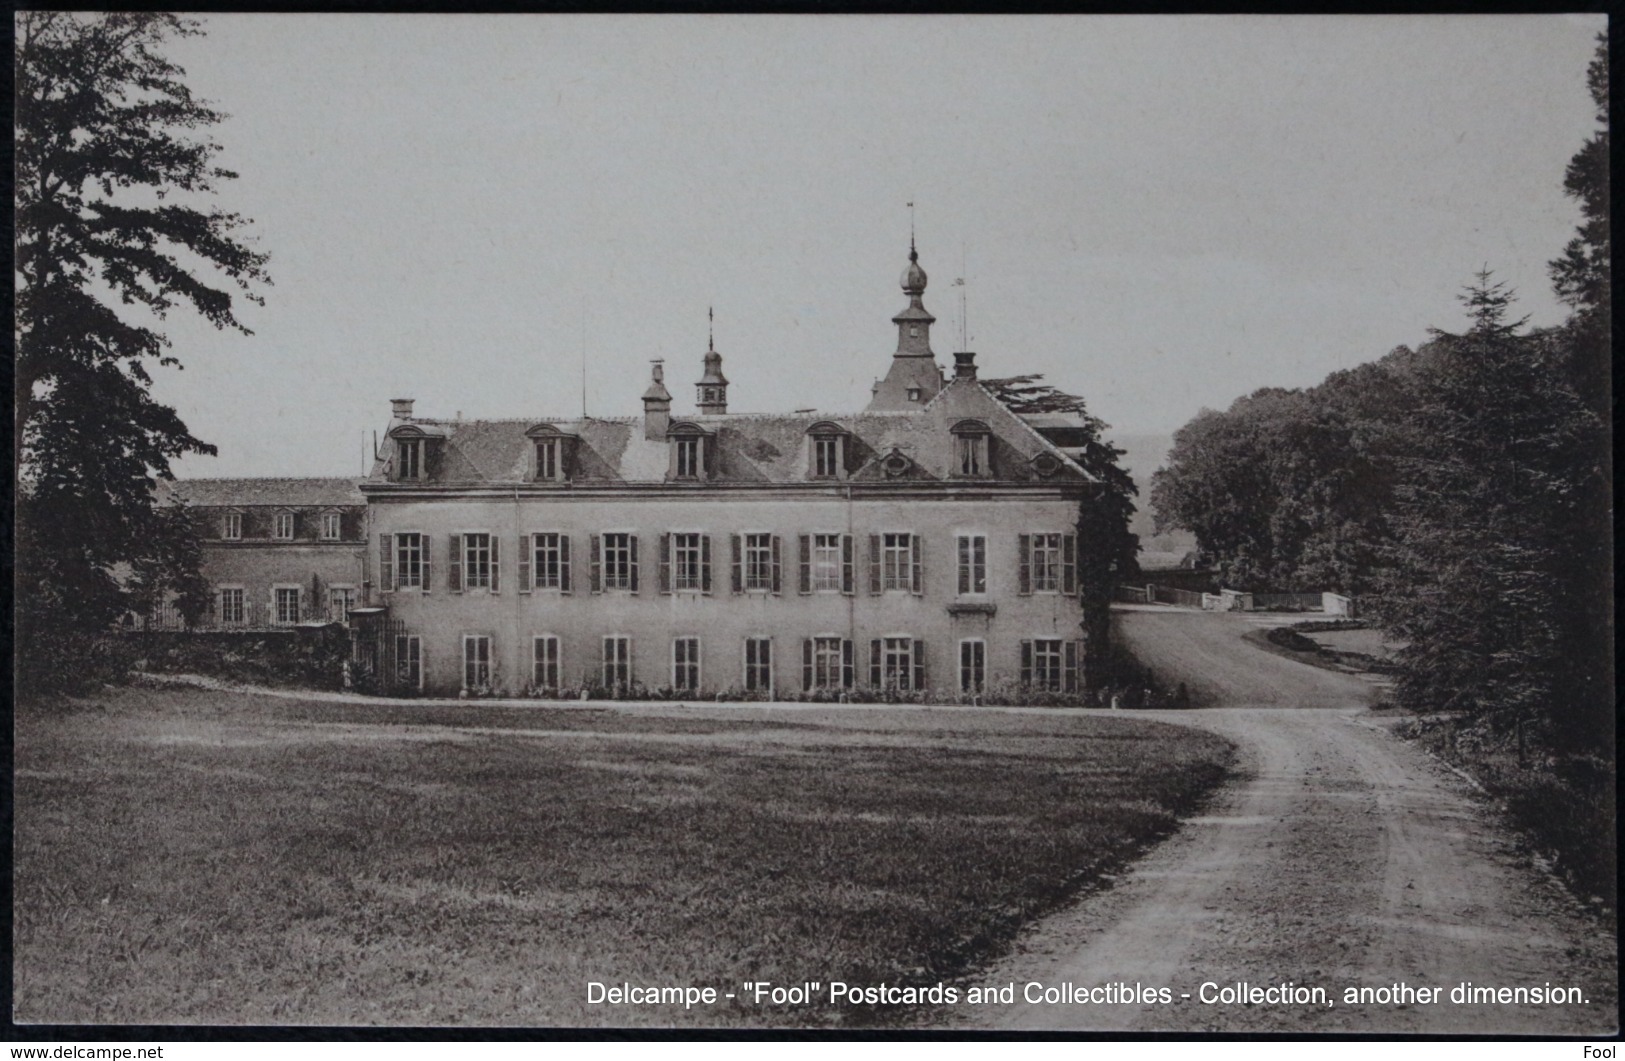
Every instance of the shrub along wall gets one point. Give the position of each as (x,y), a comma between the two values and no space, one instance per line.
(311,657)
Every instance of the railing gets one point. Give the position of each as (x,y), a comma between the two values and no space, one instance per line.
(1184,598)
(255,617)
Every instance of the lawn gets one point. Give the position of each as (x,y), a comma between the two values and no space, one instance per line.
(191,856)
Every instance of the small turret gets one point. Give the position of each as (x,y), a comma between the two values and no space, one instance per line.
(711,392)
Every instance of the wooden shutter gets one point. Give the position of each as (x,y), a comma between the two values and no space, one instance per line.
(874,663)
(804,567)
(496,564)
(846,565)
(665,563)
(964,549)
(454,577)
(424,541)
(916,551)
(777,583)
(874,565)
(564,565)
(527,546)
(632,541)
(705,564)
(849,676)
(736,563)
(1069,563)
(807,663)
(1070,665)
(1024,578)
(1026,663)
(386,563)
(595,562)
(919,666)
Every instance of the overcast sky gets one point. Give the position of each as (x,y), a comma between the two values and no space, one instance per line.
(1160,214)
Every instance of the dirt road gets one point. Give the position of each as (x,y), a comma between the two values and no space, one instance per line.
(1339,857)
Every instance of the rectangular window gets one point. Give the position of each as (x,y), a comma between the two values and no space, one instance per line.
(1046,563)
(1047,664)
(617,561)
(232,605)
(972,666)
(340,599)
(287,605)
(759,561)
(827,457)
(827,562)
(544,666)
(688,561)
(688,458)
(409,560)
(411,459)
(758,665)
(409,660)
(547,459)
(549,557)
(972,563)
(332,525)
(476,662)
(897,663)
(617,662)
(282,528)
(972,454)
(830,664)
(476,561)
(233,529)
(685,664)
(897,561)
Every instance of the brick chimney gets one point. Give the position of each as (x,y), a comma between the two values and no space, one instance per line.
(400,408)
(656,405)
(964,365)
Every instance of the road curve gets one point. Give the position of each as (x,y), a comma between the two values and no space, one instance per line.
(1338,856)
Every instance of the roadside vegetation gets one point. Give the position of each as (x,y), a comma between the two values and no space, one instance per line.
(197,856)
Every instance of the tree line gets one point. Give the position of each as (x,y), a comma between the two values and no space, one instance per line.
(1462,490)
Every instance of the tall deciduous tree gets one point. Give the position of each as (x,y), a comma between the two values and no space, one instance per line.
(1111,551)
(114,229)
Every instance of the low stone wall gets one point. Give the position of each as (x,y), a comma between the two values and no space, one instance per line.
(309,657)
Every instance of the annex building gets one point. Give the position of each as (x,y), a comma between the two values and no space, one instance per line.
(924,545)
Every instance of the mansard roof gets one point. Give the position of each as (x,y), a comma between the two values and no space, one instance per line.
(749,447)
(292,493)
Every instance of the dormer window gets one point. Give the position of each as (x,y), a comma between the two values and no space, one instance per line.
(554,453)
(914,394)
(231,527)
(282,527)
(332,526)
(547,458)
(970,460)
(826,451)
(690,459)
(409,458)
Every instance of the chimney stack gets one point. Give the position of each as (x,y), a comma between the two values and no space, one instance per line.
(656,405)
(964,365)
(400,408)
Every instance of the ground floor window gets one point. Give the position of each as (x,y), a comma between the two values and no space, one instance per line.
(1047,663)
(685,664)
(286,604)
(544,673)
(409,660)
(826,663)
(1051,663)
(476,661)
(617,661)
(340,599)
(972,666)
(758,665)
(897,663)
(233,608)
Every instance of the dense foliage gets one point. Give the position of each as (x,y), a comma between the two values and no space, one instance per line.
(113,231)
(1461,489)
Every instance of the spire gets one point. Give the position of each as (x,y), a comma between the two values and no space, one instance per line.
(711,392)
(914,377)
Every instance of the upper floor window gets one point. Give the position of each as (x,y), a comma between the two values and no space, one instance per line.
(688,458)
(332,526)
(827,451)
(551,557)
(688,561)
(897,561)
(231,528)
(617,561)
(410,555)
(282,527)
(759,561)
(547,459)
(479,561)
(826,562)
(555,451)
(970,459)
(1048,563)
(409,458)
(972,563)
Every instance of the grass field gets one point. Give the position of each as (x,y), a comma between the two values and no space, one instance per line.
(190,856)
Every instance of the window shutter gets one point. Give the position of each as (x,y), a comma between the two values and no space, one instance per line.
(807,663)
(496,564)
(874,566)
(804,567)
(778,566)
(423,542)
(595,552)
(915,551)
(846,565)
(919,666)
(665,563)
(564,563)
(1069,563)
(526,547)
(705,564)
(849,676)
(874,662)
(454,576)
(1026,663)
(1071,648)
(386,563)
(964,564)
(632,540)
(736,563)
(1024,580)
